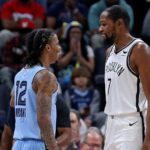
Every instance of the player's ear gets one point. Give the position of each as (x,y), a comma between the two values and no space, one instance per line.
(48,47)
(119,22)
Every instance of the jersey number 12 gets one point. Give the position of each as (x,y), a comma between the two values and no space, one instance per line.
(21,88)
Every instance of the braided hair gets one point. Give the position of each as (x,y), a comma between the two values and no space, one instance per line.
(35,43)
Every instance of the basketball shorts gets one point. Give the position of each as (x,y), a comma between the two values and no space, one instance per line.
(124,132)
(28,145)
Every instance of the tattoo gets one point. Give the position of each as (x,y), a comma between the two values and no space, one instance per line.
(45,86)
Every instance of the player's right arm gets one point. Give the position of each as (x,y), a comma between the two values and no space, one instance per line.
(44,84)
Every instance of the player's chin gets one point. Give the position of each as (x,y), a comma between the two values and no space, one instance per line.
(104,36)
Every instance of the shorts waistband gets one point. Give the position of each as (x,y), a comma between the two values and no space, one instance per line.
(136,114)
(28,139)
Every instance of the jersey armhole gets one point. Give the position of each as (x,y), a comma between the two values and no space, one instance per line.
(128,59)
(34,77)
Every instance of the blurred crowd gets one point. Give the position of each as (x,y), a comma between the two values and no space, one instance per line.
(80,69)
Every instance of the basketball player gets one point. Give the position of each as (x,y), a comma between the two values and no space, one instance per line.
(35,91)
(127,84)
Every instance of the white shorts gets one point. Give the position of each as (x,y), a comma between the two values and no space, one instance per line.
(124,132)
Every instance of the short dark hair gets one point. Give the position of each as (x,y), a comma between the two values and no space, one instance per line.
(76,113)
(35,43)
(116,12)
(81,72)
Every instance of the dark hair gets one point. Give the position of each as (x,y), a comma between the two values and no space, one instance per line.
(116,12)
(66,47)
(81,72)
(76,113)
(35,43)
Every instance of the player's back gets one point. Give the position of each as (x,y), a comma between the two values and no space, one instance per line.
(26,125)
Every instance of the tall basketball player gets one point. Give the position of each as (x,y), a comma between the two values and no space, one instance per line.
(127,84)
(35,90)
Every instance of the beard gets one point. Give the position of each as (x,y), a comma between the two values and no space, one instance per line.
(108,40)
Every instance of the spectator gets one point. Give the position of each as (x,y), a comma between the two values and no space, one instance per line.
(66,11)
(82,96)
(75,130)
(5,37)
(22,14)
(76,52)
(92,140)
(12,51)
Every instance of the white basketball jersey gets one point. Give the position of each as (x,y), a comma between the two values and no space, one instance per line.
(124,92)
(26,125)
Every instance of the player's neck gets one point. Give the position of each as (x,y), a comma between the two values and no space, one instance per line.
(45,63)
(123,41)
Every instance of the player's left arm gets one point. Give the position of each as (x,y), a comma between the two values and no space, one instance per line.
(140,60)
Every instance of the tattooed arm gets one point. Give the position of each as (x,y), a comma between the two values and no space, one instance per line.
(44,84)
